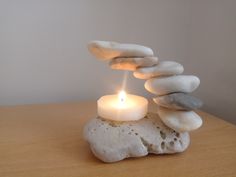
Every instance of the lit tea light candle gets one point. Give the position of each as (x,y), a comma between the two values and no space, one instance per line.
(122,107)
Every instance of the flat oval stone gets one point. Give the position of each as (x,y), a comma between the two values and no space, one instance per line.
(132,63)
(163,68)
(180,121)
(172,84)
(106,50)
(114,141)
(178,101)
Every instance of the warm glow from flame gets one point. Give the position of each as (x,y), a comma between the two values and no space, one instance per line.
(122,96)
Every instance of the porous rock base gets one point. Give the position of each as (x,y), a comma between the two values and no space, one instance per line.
(112,141)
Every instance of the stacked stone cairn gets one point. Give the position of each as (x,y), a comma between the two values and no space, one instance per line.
(162,133)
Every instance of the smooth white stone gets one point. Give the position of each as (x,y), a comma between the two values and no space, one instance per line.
(163,68)
(180,121)
(172,84)
(113,141)
(108,50)
(132,63)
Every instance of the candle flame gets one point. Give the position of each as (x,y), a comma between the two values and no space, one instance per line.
(122,96)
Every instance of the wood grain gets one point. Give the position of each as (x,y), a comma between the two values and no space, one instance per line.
(46,140)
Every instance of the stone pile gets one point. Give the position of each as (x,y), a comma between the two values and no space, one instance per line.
(175,106)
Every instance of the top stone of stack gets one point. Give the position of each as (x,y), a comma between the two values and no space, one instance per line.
(106,50)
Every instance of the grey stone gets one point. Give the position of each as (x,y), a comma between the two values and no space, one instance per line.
(106,50)
(113,141)
(132,63)
(163,68)
(178,101)
(172,84)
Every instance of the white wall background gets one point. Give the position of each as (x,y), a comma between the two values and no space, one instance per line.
(44,59)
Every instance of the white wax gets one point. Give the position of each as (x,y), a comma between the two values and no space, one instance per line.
(133,107)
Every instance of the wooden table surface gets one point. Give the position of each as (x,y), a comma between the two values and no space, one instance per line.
(46,141)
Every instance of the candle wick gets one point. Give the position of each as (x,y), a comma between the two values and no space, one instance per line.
(122,96)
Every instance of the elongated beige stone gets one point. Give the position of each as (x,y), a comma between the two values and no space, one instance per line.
(172,84)
(132,63)
(163,68)
(106,50)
